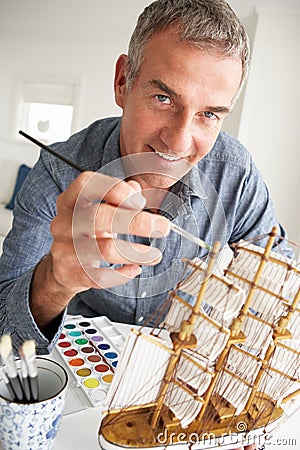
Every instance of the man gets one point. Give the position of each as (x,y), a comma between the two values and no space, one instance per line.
(82,241)
(186,65)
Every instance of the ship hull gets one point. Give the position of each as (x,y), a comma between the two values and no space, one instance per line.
(132,430)
(229,442)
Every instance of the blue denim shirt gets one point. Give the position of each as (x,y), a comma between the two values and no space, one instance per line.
(223,198)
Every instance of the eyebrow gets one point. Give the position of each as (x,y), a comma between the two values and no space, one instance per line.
(219,109)
(163,87)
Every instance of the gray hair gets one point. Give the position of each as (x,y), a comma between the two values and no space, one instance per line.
(206,24)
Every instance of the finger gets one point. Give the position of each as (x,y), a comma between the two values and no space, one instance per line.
(90,187)
(135,184)
(139,223)
(114,251)
(69,273)
(107,218)
(105,278)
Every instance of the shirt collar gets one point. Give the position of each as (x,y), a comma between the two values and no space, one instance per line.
(111,160)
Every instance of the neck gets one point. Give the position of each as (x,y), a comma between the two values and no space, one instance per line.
(154,198)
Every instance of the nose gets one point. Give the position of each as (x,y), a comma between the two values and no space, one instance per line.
(177,135)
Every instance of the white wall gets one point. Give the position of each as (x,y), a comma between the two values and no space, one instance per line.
(51,59)
(269,124)
(63,41)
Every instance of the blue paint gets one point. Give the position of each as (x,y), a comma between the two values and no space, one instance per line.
(110,355)
(103,346)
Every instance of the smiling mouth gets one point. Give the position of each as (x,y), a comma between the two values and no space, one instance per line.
(167,157)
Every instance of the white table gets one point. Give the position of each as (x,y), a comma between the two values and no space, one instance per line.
(79,431)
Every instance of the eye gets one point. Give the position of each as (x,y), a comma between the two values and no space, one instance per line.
(163,99)
(210,115)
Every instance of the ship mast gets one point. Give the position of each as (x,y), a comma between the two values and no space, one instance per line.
(184,338)
(238,322)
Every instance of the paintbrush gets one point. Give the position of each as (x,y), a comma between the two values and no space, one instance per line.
(174,227)
(24,374)
(6,353)
(7,382)
(189,236)
(50,150)
(30,366)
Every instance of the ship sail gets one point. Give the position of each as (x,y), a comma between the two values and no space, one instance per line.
(135,383)
(258,335)
(278,279)
(223,300)
(191,379)
(236,381)
(283,372)
(211,335)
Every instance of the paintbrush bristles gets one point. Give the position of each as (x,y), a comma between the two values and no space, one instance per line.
(29,355)
(5,346)
(28,349)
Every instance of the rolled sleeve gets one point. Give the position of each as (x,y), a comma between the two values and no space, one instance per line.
(17,319)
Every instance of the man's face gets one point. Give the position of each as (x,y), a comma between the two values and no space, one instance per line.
(175,107)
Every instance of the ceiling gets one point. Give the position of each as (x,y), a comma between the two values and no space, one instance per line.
(76,19)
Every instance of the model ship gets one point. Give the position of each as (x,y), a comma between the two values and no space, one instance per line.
(226,365)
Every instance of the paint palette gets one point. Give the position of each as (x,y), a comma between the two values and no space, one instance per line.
(90,349)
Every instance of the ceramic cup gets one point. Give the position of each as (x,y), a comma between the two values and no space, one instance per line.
(33,426)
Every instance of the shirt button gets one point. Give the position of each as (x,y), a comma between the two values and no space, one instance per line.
(140,319)
(143,295)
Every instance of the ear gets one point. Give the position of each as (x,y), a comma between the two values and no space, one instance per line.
(120,80)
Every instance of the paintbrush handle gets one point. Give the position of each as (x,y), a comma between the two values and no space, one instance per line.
(25,381)
(33,376)
(189,236)
(26,388)
(12,374)
(34,389)
(17,387)
(50,150)
(7,383)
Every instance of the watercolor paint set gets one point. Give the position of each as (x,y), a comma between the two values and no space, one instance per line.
(90,350)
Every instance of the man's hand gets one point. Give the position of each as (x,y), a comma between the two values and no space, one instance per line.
(92,210)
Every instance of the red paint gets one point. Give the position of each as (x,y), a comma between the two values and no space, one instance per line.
(64,344)
(70,353)
(101,368)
